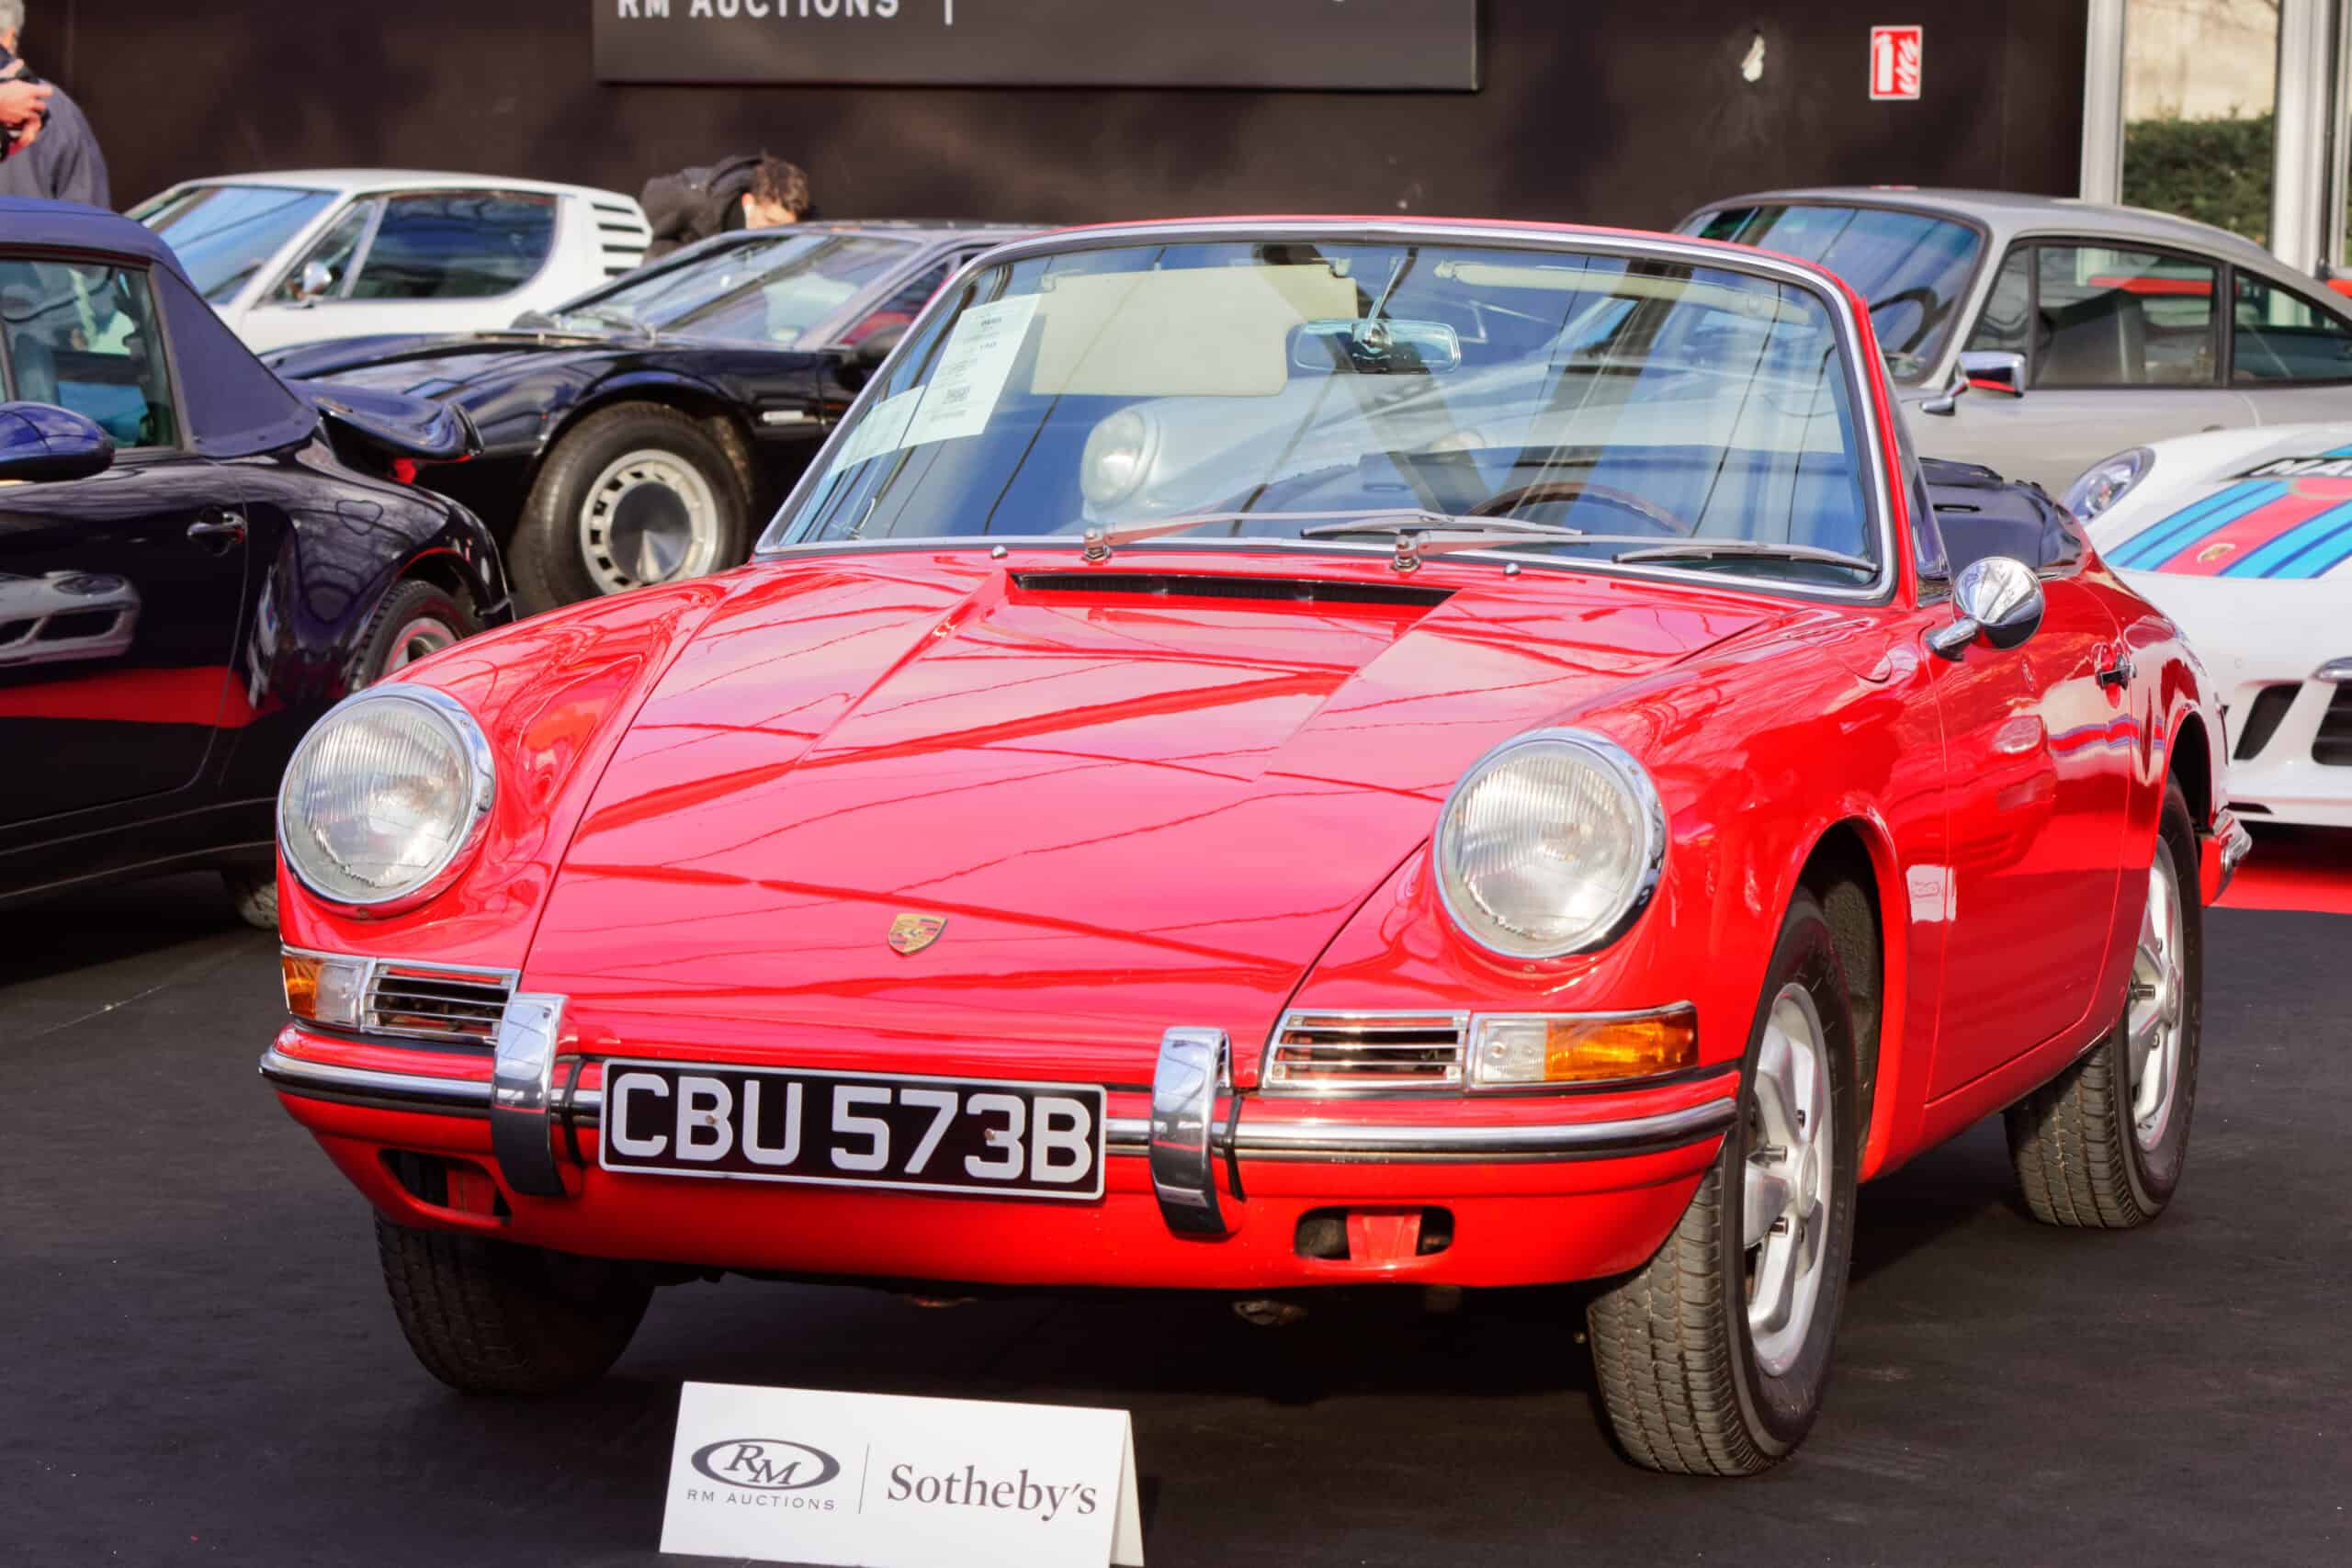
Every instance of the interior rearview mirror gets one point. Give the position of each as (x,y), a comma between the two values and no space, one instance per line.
(39,444)
(1378,348)
(1999,600)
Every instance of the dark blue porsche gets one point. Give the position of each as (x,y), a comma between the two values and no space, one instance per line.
(196,561)
(637,435)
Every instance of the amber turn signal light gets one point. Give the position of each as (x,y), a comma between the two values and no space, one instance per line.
(1532,1049)
(320,989)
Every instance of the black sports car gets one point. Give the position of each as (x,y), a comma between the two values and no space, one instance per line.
(195,562)
(637,433)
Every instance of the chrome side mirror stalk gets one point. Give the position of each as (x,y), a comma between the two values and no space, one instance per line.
(1947,402)
(1998,599)
(316,280)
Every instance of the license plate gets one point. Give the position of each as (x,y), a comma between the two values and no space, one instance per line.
(853,1129)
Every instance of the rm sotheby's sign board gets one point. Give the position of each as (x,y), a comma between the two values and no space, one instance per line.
(1392,44)
(794,1475)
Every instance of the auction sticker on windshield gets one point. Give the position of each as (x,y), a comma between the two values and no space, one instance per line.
(977,361)
(884,429)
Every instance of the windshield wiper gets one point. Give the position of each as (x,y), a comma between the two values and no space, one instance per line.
(1746,549)
(1437,522)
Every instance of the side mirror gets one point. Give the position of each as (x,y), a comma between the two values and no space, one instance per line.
(1999,599)
(39,444)
(865,356)
(317,279)
(1993,371)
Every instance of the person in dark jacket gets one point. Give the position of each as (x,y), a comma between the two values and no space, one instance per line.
(60,159)
(753,191)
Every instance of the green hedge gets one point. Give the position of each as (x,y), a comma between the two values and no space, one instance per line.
(2214,170)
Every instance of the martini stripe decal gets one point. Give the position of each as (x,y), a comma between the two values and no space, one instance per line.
(2317,540)
(2148,551)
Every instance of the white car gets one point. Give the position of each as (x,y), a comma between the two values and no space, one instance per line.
(2245,538)
(313,254)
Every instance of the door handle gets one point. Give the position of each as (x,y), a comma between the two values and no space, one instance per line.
(2115,669)
(219,532)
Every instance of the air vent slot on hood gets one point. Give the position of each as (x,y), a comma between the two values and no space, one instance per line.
(1205,585)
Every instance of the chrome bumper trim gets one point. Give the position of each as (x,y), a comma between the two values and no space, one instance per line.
(1193,1064)
(522,1092)
(1124,1136)
(2236,844)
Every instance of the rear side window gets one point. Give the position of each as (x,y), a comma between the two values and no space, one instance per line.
(2279,335)
(456,245)
(83,335)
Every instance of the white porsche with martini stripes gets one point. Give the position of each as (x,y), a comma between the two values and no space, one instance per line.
(2245,538)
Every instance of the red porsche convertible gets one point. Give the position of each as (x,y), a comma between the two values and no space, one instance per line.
(1278,753)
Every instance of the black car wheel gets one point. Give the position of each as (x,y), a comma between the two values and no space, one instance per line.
(1713,1360)
(416,618)
(634,495)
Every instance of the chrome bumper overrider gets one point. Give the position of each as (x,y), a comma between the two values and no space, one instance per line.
(2235,841)
(1187,1133)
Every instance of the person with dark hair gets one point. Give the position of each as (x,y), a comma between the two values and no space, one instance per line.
(752,191)
(53,151)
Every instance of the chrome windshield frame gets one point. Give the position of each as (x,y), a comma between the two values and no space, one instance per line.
(777,542)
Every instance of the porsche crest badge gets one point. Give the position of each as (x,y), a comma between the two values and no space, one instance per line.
(2212,553)
(911,933)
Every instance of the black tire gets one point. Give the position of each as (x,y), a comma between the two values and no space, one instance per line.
(415,618)
(550,555)
(253,893)
(2079,1154)
(1680,1378)
(487,1316)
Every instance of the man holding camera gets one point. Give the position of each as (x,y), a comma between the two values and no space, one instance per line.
(46,148)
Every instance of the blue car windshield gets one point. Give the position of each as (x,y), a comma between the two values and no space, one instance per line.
(766,290)
(1586,404)
(223,234)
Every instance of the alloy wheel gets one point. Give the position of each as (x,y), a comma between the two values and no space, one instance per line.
(1788,1181)
(2154,1020)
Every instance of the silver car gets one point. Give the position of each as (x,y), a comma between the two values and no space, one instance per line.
(2074,331)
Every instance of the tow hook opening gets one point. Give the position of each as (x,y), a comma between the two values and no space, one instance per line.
(1373,1238)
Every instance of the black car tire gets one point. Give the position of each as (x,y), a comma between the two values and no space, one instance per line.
(2079,1158)
(415,618)
(549,556)
(253,893)
(488,1316)
(1680,1377)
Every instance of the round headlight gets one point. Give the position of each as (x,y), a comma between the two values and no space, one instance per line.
(385,798)
(2107,481)
(1550,845)
(1118,457)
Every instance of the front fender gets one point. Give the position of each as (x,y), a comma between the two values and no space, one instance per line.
(553,696)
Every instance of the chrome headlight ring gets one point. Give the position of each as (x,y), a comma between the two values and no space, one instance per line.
(477,793)
(1640,814)
(2097,488)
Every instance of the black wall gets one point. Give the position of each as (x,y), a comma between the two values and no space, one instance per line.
(1624,111)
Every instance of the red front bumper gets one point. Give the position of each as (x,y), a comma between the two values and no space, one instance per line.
(1537,1188)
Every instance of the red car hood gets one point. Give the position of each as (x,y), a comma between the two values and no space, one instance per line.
(1132,808)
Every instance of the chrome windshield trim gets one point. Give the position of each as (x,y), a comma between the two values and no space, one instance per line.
(1869,433)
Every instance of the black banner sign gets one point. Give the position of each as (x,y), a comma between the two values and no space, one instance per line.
(1397,45)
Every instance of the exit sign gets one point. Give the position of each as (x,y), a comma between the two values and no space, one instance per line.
(1895,62)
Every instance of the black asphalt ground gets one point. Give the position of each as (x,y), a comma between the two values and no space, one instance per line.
(201,1365)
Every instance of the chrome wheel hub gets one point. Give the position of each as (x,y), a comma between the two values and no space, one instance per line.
(2154,1020)
(422,635)
(1784,1202)
(649,517)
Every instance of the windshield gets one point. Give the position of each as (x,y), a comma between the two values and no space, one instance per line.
(764,290)
(1573,404)
(1913,269)
(222,234)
